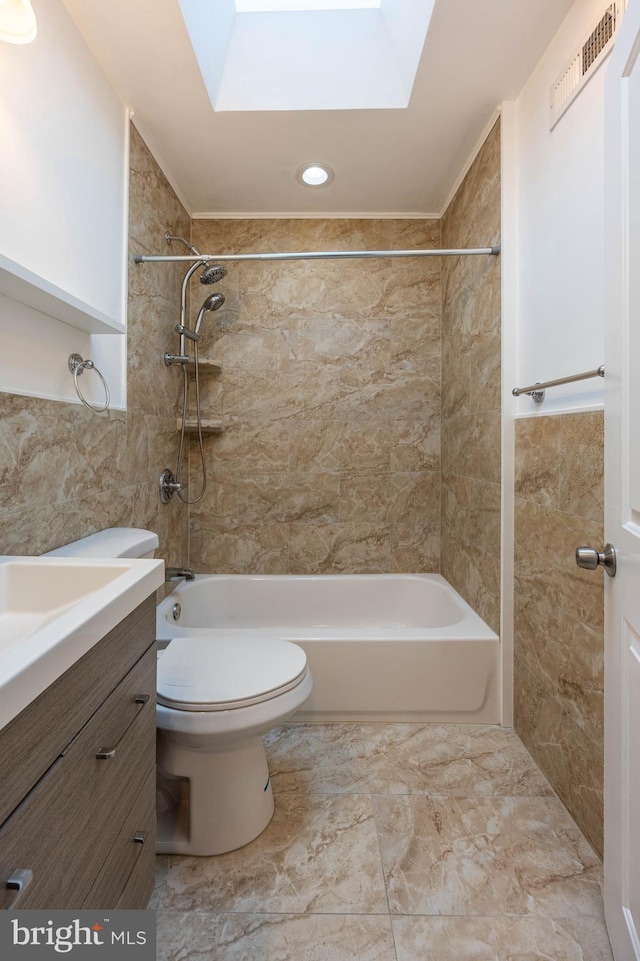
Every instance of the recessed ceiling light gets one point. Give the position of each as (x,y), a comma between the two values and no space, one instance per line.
(315,174)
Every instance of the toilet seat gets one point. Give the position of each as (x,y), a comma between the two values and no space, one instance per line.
(222,673)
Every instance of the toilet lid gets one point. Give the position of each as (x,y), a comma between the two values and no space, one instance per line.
(213,673)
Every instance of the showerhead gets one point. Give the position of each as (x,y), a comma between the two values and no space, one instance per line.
(212,273)
(213,302)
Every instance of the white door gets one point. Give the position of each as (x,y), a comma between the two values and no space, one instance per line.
(622,490)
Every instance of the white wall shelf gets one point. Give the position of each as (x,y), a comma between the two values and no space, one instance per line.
(23,285)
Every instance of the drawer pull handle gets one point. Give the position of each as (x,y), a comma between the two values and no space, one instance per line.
(140,837)
(19,882)
(106,753)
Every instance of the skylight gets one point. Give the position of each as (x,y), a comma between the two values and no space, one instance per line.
(275,6)
(308,54)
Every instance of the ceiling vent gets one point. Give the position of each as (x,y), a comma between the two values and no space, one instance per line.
(586,60)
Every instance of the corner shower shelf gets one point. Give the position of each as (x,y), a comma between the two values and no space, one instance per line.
(210,425)
(207,366)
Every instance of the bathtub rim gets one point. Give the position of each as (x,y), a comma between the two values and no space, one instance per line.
(469,628)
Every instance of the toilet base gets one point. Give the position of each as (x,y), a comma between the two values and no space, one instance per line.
(213,802)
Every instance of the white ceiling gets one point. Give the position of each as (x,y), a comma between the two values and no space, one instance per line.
(477,54)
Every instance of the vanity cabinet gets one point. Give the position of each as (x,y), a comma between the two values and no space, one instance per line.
(77,781)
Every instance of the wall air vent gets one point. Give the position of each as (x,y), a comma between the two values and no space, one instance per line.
(586,60)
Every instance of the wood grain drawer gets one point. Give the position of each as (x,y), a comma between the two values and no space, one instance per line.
(127,876)
(65,828)
(30,743)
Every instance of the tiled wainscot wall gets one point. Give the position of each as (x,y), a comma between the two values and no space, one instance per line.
(559,646)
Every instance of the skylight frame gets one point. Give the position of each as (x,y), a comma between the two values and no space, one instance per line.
(303,6)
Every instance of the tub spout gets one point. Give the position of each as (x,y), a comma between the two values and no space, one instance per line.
(175,573)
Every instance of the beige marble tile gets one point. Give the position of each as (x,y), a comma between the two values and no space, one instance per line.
(221,548)
(471,511)
(365,497)
(414,516)
(356,547)
(471,375)
(310,498)
(480,191)
(474,574)
(545,543)
(471,445)
(414,346)
(162,868)
(559,462)
(500,939)
(251,349)
(570,755)
(340,343)
(273,937)
(153,206)
(415,443)
(339,446)
(402,758)
(565,655)
(486,856)
(246,446)
(303,862)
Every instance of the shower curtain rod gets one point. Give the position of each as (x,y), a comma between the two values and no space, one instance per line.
(316,255)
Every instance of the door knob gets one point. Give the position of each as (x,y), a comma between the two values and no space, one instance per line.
(590,558)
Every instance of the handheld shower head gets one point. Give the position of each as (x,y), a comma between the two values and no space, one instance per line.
(212,273)
(213,302)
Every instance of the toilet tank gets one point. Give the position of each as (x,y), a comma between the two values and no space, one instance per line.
(112,542)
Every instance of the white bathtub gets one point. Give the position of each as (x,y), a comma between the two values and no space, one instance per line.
(380,646)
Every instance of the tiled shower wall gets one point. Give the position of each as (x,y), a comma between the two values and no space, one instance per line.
(559,645)
(330,393)
(66,471)
(471,398)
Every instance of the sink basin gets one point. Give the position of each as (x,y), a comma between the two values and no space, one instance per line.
(32,594)
(54,609)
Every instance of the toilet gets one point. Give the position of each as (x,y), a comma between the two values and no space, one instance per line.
(216,697)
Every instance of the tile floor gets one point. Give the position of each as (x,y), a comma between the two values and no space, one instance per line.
(394,842)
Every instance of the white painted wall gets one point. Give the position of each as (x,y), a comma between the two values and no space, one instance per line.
(560,225)
(64,177)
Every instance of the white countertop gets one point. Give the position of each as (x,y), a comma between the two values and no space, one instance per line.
(55,609)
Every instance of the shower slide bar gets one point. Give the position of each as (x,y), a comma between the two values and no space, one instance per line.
(317,255)
(537,390)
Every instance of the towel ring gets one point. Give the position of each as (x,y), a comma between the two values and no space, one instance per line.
(78,366)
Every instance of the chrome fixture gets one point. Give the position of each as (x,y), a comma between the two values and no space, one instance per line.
(77,366)
(185,332)
(590,559)
(176,573)
(171,237)
(168,486)
(213,302)
(176,611)
(212,274)
(321,255)
(183,359)
(536,391)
